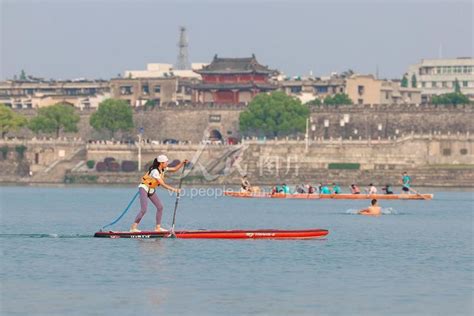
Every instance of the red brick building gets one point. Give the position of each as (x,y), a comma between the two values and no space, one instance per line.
(232,81)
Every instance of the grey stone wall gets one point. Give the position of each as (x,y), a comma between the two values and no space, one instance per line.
(191,122)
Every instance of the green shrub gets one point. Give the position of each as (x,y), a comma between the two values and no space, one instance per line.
(90,164)
(21,151)
(344,165)
(314,102)
(4,151)
(69,178)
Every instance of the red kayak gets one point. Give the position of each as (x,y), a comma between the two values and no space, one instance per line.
(221,234)
(343,196)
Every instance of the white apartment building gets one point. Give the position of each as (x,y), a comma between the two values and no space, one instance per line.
(164,71)
(437,76)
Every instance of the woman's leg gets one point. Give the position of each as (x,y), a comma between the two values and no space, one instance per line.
(159,208)
(143,205)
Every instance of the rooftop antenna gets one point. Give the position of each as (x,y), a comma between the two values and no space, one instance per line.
(182,62)
(440,51)
(377,71)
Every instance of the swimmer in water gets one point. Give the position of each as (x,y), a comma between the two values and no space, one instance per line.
(373,209)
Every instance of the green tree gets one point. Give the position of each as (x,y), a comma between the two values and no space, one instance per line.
(404,82)
(457,86)
(9,120)
(54,119)
(413,81)
(113,115)
(23,75)
(338,99)
(273,115)
(314,102)
(150,104)
(21,151)
(450,98)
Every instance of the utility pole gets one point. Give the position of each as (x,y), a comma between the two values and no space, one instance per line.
(140,133)
(306,136)
(182,62)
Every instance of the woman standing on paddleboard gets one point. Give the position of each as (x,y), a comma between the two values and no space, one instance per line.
(150,181)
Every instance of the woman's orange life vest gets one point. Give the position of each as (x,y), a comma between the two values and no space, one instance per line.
(151,182)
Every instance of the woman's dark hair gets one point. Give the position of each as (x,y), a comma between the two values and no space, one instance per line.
(154,165)
(373,201)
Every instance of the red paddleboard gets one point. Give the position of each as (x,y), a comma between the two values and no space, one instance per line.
(221,234)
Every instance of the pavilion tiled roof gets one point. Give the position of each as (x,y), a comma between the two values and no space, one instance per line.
(235,65)
(239,86)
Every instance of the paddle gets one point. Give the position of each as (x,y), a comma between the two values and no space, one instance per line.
(417,193)
(176,203)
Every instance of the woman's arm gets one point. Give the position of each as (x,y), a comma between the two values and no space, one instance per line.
(179,166)
(166,186)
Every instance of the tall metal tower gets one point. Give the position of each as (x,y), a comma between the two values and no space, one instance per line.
(182,63)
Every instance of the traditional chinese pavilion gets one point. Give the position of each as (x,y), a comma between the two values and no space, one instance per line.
(233,80)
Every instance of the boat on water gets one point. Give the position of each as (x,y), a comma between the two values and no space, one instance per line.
(220,234)
(343,196)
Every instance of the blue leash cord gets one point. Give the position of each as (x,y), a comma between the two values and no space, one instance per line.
(123,213)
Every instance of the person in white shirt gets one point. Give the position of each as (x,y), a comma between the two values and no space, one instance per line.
(147,188)
(372,189)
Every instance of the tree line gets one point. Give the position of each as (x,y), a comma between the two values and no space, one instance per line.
(113,115)
(270,115)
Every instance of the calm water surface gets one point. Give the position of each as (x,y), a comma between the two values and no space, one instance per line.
(417,261)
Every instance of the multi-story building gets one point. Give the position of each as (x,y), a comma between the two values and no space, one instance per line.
(308,89)
(158,91)
(165,71)
(83,94)
(365,89)
(232,81)
(438,76)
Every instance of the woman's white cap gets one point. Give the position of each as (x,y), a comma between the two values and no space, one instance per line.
(162,158)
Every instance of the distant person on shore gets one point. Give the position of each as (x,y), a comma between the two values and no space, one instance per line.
(336,189)
(355,189)
(325,190)
(406,182)
(372,189)
(154,178)
(286,189)
(310,188)
(245,184)
(374,209)
(387,189)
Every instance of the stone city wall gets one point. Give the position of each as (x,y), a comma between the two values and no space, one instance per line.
(191,122)
(449,157)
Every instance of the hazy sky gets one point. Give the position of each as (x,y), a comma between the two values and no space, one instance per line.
(99,39)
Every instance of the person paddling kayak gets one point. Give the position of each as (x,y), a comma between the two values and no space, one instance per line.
(372,189)
(373,209)
(147,188)
(325,190)
(245,184)
(387,189)
(406,182)
(355,189)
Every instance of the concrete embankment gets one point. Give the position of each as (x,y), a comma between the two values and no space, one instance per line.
(432,160)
